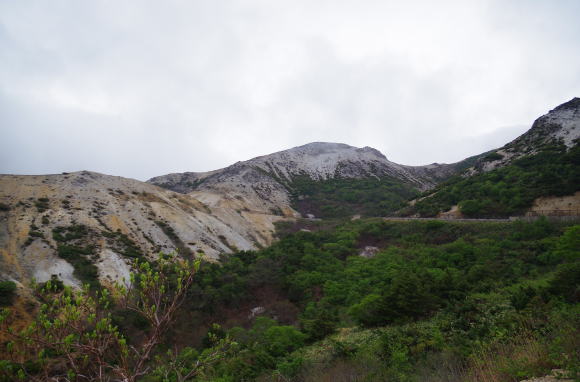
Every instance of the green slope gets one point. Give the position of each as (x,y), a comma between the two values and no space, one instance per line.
(434,291)
(339,197)
(510,190)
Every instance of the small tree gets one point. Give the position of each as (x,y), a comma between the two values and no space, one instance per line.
(73,337)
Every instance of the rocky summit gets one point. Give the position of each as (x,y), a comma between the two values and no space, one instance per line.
(317,160)
(268,184)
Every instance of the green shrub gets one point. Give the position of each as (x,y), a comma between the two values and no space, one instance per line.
(566,282)
(370,311)
(492,157)
(78,257)
(283,339)
(42,204)
(70,233)
(7,293)
(318,321)
(128,319)
(471,208)
(123,244)
(54,285)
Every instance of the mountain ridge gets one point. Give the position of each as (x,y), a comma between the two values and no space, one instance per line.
(319,160)
(224,210)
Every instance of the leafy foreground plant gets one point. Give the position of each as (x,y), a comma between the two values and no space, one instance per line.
(73,337)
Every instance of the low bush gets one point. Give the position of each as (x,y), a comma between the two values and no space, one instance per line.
(7,293)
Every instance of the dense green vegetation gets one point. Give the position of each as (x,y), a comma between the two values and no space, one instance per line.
(344,197)
(458,291)
(506,191)
(438,301)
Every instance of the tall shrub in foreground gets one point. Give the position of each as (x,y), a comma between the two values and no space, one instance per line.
(73,337)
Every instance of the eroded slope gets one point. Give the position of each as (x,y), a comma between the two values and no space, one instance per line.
(118,219)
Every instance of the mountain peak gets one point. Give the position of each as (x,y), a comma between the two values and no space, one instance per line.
(368,149)
(318,148)
(325,144)
(321,147)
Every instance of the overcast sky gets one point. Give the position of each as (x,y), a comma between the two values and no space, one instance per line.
(145,88)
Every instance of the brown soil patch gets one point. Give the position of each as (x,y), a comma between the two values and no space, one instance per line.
(567,203)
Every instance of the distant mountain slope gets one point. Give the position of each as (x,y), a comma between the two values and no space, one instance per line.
(559,126)
(543,162)
(318,161)
(68,224)
(281,181)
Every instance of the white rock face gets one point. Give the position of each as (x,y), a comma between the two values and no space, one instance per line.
(113,268)
(569,121)
(45,269)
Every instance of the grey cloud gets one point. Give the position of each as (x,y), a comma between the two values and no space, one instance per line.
(143,88)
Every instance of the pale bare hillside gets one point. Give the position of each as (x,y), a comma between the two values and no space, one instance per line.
(109,221)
